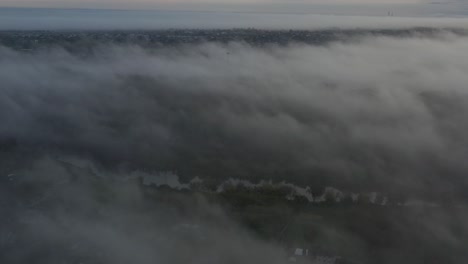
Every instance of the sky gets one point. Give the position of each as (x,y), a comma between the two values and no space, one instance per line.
(268,14)
(298,5)
(401,8)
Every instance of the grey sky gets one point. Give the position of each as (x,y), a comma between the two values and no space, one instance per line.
(337,6)
(321,17)
(230,13)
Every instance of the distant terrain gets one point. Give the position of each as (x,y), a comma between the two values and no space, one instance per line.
(82,39)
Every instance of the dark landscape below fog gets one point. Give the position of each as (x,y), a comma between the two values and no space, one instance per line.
(234,146)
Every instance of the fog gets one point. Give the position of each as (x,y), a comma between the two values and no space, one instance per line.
(386,111)
(58,213)
(376,114)
(55,211)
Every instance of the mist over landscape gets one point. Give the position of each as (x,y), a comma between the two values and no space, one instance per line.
(337,135)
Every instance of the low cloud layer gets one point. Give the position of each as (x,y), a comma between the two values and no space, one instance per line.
(54,212)
(57,211)
(375,114)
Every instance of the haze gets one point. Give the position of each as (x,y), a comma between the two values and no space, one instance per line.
(350,7)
